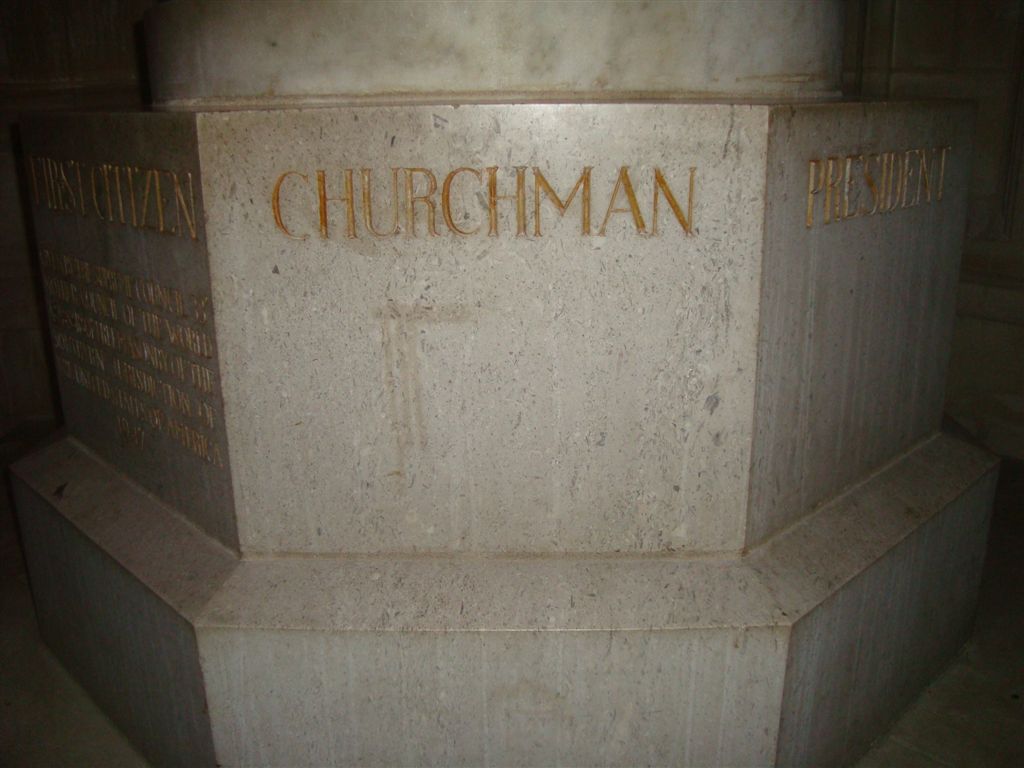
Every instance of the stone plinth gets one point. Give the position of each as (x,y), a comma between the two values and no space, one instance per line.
(494,434)
(430,355)
(798,654)
(204,55)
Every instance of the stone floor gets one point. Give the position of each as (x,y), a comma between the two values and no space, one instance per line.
(972,716)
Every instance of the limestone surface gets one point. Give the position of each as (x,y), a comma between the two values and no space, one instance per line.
(534,328)
(537,434)
(500,660)
(292,53)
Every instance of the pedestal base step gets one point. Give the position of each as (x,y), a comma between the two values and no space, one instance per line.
(799,652)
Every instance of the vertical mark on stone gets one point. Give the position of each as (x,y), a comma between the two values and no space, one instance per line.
(728,135)
(401,327)
(392,379)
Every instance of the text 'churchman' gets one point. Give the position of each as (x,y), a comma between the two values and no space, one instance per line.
(416,202)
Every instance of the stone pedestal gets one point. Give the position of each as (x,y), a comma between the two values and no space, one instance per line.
(530,434)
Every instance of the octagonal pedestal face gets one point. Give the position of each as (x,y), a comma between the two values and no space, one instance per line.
(532,434)
(208,56)
(506,329)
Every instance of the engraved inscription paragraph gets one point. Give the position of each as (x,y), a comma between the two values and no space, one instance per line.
(144,347)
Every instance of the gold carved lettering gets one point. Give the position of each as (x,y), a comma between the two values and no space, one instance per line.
(893,180)
(142,381)
(167,207)
(848,180)
(493,197)
(924,178)
(418,196)
(541,183)
(685,220)
(815,180)
(395,203)
(426,199)
(872,186)
(623,182)
(446,201)
(184,207)
(348,198)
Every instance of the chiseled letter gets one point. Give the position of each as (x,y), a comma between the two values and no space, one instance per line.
(427,199)
(160,203)
(623,182)
(848,179)
(493,197)
(65,184)
(872,187)
(446,200)
(924,177)
(120,195)
(906,175)
(539,183)
(348,198)
(81,189)
(891,180)
(276,203)
(686,222)
(368,203)
(129,174)
(833,180)
(96,195)
(183,206)
(146,192)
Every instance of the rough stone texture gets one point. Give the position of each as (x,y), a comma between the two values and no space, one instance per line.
(856,315)
(117,580)
(504,660)
(178,564)
(496,698)
(863,655)
(478,478)
(221,53)
(562,392)
(552,393)
(71,232)
(877,588)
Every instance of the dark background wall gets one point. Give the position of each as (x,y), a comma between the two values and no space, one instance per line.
(54,54)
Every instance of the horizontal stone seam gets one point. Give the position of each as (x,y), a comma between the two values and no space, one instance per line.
(467,98)
(202,625)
